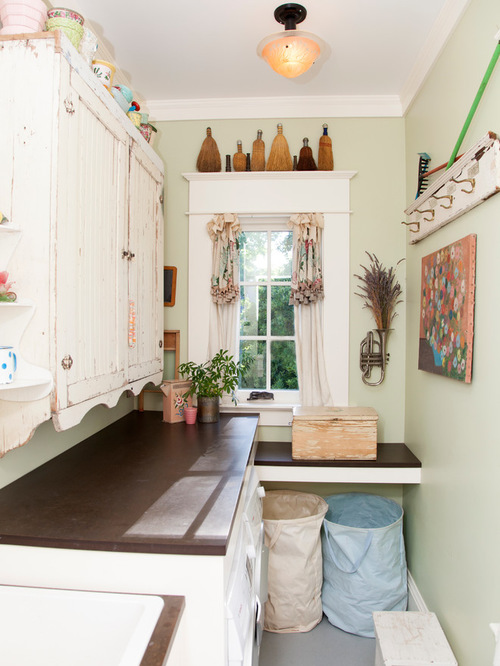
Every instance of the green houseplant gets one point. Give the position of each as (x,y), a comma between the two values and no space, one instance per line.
(209,381)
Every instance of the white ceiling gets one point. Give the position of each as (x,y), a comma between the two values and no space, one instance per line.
(198,56)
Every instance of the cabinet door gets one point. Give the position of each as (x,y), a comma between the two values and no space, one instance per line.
(91,271)
(145,246)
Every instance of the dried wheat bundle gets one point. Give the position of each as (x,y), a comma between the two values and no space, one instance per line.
(380,291)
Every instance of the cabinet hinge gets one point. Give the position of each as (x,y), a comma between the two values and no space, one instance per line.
(68,105)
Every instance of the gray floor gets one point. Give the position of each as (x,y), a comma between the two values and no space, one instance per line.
(325,645)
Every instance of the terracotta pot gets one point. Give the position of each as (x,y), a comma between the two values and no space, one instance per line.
(208,409)
(190,415)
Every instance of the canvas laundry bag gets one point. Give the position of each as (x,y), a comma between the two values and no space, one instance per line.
(364,561)
(292,526)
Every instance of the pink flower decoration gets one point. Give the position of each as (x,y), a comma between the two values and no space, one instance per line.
(4,285)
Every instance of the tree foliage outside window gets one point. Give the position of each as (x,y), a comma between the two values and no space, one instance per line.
(267,332)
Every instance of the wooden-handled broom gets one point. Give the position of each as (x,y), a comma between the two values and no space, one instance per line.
(239,158)
(306,160)
(325,152)
(258,161)
(209,157)
(279,157)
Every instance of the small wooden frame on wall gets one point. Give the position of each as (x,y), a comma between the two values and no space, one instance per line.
(169,285)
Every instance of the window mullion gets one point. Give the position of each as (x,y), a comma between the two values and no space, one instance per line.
(268,328)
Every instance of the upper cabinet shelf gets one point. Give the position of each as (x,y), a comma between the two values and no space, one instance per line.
(31,382)
(468,182)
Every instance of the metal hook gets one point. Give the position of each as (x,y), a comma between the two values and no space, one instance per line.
(471,181)
(430,210)
(445,196)
(408,224)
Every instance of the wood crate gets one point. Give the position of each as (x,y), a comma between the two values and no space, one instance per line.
(334,433)
(411,638)
(174,402)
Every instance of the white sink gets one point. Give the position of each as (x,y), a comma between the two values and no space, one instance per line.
(42,627)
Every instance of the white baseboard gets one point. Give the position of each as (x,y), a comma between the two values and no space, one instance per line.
(415,599)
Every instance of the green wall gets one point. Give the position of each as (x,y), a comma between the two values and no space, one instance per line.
(452,518)
(372,147)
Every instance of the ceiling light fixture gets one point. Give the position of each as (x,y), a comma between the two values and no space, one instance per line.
(290,53)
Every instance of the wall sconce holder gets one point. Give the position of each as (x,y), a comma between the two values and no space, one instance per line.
(373,354)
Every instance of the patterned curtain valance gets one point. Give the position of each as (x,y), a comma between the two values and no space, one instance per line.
(224,231)
(307,264)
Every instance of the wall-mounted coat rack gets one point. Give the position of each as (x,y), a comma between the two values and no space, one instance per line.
(471,180)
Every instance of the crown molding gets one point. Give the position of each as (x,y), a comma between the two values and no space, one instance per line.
(319,106)
(441,31)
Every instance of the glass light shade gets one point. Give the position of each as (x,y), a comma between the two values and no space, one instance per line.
(290,53)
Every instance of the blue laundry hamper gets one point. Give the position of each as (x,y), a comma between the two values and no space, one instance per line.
(364,561)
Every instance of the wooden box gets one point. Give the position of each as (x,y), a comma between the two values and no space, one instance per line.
(334,433)
(174,401)
(411,638)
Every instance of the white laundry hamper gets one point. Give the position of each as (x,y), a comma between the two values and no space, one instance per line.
(292,526)
(364,561)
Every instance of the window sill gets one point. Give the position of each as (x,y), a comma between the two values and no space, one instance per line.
(271,414)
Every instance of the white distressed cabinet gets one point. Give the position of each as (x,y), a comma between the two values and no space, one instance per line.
(84,188)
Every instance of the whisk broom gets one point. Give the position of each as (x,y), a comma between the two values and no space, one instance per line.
(325,152)
(306,160)
(258,161)
(239,159)
(279,157)
(209,157)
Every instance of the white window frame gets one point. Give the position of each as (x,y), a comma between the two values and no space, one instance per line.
(275,194)
(272,223)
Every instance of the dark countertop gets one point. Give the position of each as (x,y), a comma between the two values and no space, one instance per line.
(139,485)
(164,632)
(388,455)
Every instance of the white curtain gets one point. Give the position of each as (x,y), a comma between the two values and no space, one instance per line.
(224,231)
(307,298)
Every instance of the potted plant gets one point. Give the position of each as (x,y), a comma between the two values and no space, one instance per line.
(209,381)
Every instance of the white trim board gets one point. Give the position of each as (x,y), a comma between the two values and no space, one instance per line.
(313,106)
(415,599)
(442,29)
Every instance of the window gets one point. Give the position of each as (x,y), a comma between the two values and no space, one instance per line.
(266,326)
(259,199)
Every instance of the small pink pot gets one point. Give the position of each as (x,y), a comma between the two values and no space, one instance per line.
(190,415)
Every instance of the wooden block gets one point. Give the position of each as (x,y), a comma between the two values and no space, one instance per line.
(334,433)
(174,401)
(410,638)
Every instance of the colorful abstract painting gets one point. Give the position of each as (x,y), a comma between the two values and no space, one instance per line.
(447,310)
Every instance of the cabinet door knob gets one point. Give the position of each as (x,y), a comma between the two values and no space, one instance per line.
(67,362)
